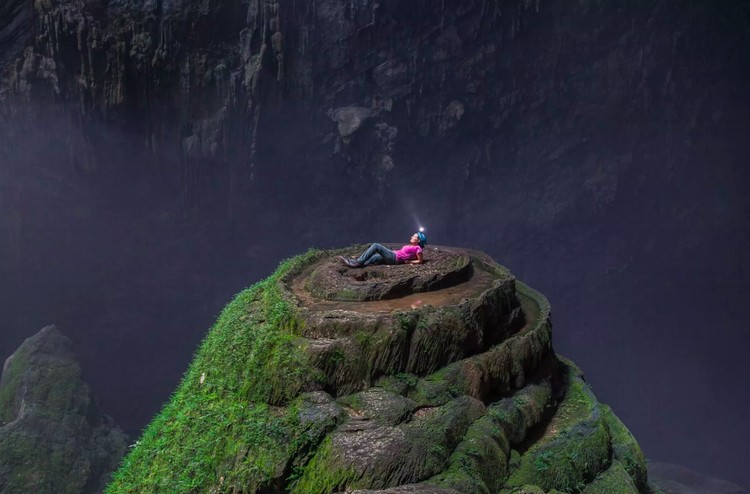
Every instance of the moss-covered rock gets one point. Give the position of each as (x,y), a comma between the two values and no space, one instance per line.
(385,456)
(459,393)
(480,462)
(614,479)
(409,489)
(573,447)
(53,437)
(625,449)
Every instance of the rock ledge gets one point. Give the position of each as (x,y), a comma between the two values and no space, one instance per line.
(443,267)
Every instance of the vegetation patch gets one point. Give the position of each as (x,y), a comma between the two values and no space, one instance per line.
(231,425)
(573,447)
(324,474)
(386,456)
(626,450)
(480,462)
(614,479)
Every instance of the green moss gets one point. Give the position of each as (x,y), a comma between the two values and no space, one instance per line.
(11,383)
(526,489)
(346,294)
(36,468)
(614,479)
(353,401)
(626,450)
(323,474)
(57,388)
(437,388)
(402,383)
(572,449)
(220,430)
(480,462)
(408,320)
(364,340)
(52,438)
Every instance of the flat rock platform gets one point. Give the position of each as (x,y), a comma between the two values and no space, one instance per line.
(448,276)
(443,267)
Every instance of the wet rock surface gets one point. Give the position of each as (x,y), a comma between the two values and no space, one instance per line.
(464,303)
(443,267)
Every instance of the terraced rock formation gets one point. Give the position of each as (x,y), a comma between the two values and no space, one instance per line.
(437,378)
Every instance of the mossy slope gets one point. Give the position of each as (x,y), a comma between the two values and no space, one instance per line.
(253,415)
(234,423)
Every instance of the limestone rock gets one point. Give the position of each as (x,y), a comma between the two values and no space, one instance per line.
(350,119)
(313,395)
(53,437)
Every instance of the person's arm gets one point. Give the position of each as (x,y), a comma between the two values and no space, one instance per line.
(418,260)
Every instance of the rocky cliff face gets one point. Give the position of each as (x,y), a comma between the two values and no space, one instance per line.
(214,96)
(53,437)
(440,390)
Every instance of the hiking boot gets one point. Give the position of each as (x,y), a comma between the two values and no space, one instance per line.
(352,263)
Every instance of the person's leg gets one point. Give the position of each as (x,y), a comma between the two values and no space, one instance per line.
(374,259)
(367,254)
(385,254)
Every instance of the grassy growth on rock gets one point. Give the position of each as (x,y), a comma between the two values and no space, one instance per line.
(323,475)
(626,450)
(389,455)
(574,446)
(480,462)
(614,479)
(231,424)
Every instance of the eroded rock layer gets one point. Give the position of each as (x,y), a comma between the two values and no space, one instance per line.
(452,387)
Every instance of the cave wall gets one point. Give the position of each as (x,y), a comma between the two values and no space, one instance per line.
(222,107)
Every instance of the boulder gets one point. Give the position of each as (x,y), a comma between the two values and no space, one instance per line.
(53,437)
